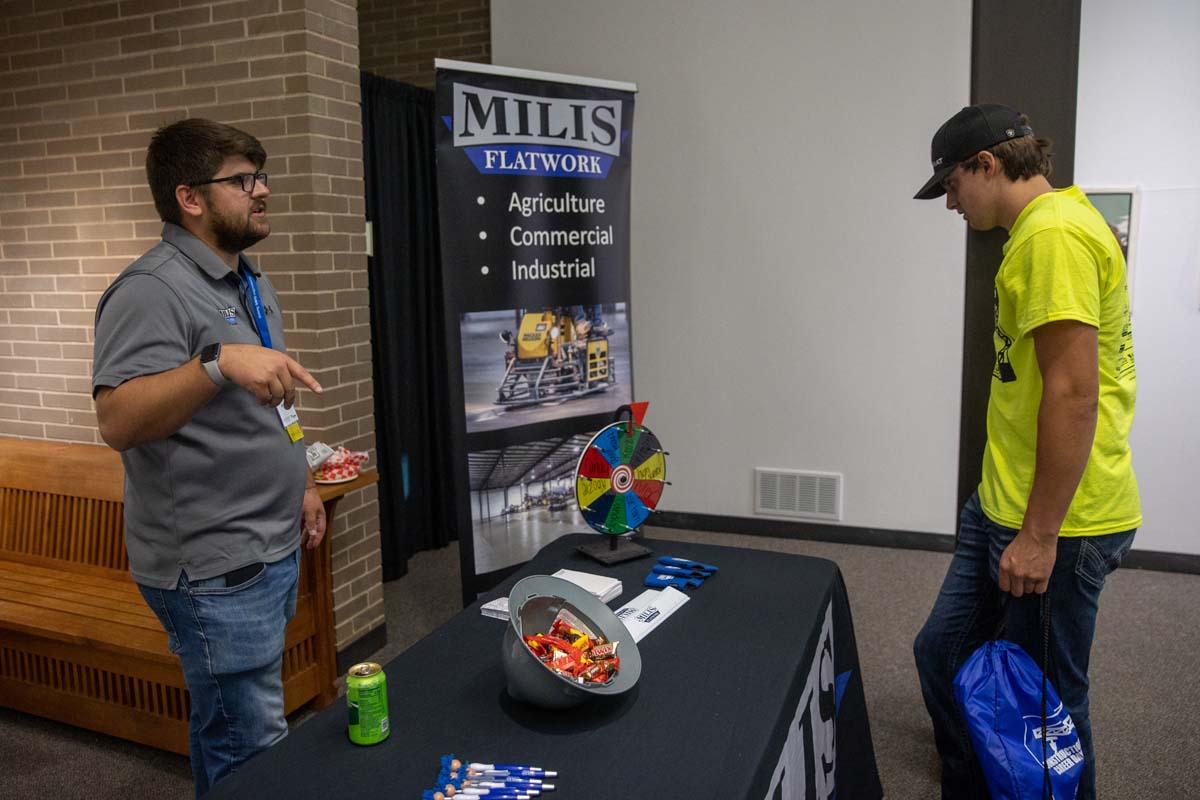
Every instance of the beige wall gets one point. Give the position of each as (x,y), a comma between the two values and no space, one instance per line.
(759,194)
(401,38)
(83,84)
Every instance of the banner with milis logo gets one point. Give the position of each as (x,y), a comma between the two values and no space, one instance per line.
(533,197)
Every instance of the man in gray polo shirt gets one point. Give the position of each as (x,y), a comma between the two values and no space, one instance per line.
(193,386)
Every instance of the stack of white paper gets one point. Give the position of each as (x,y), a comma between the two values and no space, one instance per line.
(648,610)
(497,609)
(603,586)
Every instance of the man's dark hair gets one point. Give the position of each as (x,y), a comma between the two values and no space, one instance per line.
(1022,158)
(191,151)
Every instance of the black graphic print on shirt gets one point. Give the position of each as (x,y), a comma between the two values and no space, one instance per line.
(1125,368)
(1003,370)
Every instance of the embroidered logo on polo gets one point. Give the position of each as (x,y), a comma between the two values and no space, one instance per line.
(229,313)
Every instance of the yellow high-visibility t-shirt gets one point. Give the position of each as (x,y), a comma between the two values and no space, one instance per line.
(1061,261)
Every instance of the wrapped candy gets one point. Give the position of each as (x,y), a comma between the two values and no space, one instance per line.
(571,650)
(342,465)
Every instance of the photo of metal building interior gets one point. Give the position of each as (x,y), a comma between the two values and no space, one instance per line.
(522,498)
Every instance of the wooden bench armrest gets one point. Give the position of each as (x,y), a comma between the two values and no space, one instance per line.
(76,470)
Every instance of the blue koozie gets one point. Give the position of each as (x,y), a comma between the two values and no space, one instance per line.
(999,690)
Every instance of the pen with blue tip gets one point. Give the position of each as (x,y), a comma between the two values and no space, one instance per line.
(532,786)
(514,769)
(478,768)
(495,782)
(508,792)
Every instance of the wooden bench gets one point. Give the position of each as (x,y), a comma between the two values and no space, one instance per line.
(77,642)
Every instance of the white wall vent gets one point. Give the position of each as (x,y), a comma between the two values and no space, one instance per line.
(793,493)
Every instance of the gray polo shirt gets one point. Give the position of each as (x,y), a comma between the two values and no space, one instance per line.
(227,489)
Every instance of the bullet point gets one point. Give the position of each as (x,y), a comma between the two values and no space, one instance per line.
(483,234)
(484,269)
(479,199)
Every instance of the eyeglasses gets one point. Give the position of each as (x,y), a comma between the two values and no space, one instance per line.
(246,179)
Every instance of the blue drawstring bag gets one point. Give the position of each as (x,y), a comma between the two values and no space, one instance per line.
(1000,693)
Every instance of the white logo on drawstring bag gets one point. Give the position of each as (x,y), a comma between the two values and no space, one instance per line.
(1063,748)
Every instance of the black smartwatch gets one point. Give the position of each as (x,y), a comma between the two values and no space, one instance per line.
(208,360)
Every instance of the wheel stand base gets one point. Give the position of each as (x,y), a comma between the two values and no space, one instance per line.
(615,551)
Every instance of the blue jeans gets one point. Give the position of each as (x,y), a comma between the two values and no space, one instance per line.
(229,640)
(970,610)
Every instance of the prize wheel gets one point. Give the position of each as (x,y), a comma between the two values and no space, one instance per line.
(620,478)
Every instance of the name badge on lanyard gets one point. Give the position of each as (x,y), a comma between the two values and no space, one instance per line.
(258,317)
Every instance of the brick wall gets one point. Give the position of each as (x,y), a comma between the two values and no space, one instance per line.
(83,84)
(401,38)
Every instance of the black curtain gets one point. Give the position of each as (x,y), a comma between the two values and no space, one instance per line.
(412,433)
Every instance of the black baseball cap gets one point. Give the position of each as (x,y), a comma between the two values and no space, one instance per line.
(973,129)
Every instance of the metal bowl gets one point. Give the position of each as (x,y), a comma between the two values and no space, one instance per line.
(532,606)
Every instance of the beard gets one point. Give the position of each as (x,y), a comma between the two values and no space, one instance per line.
(237,232)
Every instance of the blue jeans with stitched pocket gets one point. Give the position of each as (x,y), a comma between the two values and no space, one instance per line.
(970,609)
(229,640)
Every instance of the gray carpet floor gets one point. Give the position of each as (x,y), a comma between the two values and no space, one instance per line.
(1145,695)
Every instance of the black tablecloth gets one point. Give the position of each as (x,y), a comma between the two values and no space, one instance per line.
(748,691)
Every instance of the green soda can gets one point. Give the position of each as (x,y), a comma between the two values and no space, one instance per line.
(366,699)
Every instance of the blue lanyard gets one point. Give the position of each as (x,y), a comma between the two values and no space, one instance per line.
(257,316)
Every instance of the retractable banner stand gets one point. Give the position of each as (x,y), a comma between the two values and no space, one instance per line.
(533,197)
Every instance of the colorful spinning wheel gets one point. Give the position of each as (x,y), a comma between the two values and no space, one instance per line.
(620,477)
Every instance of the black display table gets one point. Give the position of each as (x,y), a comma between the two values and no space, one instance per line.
(750,690)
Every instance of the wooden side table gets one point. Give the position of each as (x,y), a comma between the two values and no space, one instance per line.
(321,583)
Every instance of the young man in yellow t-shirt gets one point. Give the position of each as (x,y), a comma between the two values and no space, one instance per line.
(1057,506)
